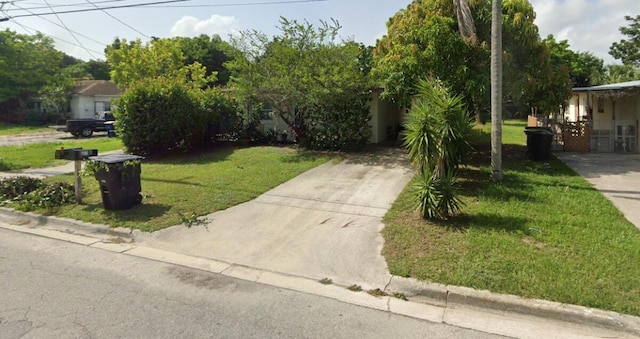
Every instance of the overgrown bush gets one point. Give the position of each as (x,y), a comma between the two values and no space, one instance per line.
(340,124)
(221,111)
(159,116)
(28,194)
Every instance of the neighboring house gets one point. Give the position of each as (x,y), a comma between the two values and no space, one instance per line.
(91,97)
(385,120)
(609,114)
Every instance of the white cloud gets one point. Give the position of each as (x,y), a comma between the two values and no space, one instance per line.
(190,26)
(589,26)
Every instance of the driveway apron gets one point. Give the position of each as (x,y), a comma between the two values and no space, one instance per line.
(616,176)
(325,223)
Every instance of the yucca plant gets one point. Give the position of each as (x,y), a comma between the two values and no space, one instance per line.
(435,135)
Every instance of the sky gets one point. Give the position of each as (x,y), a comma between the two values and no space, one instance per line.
(588,25)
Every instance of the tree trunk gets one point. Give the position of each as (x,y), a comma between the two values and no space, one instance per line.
(496,90)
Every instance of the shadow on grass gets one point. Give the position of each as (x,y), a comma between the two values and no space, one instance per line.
(214,153)
(300,156)
(181,181)
(140,213)
(488,221)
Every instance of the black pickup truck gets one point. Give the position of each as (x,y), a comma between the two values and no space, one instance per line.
(85,127)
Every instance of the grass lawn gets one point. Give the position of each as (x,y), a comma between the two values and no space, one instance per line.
(195,185)
(41,155)
(8,129)
(543,232)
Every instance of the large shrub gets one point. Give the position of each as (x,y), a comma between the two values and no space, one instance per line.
(221,112)
(159,116)
(340,124)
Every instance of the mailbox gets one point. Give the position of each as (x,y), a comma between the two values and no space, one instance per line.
(75,153)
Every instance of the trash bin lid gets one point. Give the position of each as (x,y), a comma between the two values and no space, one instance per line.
(115,158)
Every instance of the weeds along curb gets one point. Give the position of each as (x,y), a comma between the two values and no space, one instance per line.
(33,220)
(450,296)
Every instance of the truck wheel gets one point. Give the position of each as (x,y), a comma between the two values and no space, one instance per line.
(86,132)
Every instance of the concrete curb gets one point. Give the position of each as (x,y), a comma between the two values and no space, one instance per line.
(28,219)
(452,296)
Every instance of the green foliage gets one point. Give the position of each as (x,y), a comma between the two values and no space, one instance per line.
(160,116)
(437,197)
(585,69)
(29,194)
(308,77)
(435,135)
(27,62)
(162,59)
(11,188)
(212,52)
(221,110)
(424,40)
(621,73)
(628,50)
(340,124)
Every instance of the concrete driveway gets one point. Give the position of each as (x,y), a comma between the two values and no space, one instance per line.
(324,223)
(617,176)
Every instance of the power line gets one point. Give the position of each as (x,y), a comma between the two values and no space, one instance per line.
(57,24)
(241,4)
(97,9)
(31,29)
(70,32)
(66,5)
(118,20)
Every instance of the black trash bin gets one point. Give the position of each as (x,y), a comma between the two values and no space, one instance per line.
(120,181)
(539,141)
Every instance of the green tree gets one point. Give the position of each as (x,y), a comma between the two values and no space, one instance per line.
(27,63)
(301,72)
(628,50)
(425,39)
(621,73)
(435,135)
(211,52)
(584,68)
(158,59)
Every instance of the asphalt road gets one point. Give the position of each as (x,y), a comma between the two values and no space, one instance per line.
(55,289)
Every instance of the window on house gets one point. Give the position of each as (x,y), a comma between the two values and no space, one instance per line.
(265,112)
(103,106)
(35,106)
(600,105)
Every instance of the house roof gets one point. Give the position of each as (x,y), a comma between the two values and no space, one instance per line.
(622,86)
(97,87)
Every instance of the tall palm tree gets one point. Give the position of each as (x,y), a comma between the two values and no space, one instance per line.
(496,90)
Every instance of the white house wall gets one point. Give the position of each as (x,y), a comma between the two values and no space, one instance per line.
(385,118)
(84,106)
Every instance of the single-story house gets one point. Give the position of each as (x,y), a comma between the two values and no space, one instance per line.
(385,120)
(91,97)
(610,114)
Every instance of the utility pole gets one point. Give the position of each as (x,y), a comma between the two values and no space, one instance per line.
(496,90)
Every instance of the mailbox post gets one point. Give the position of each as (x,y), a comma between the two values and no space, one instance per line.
(77,155)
